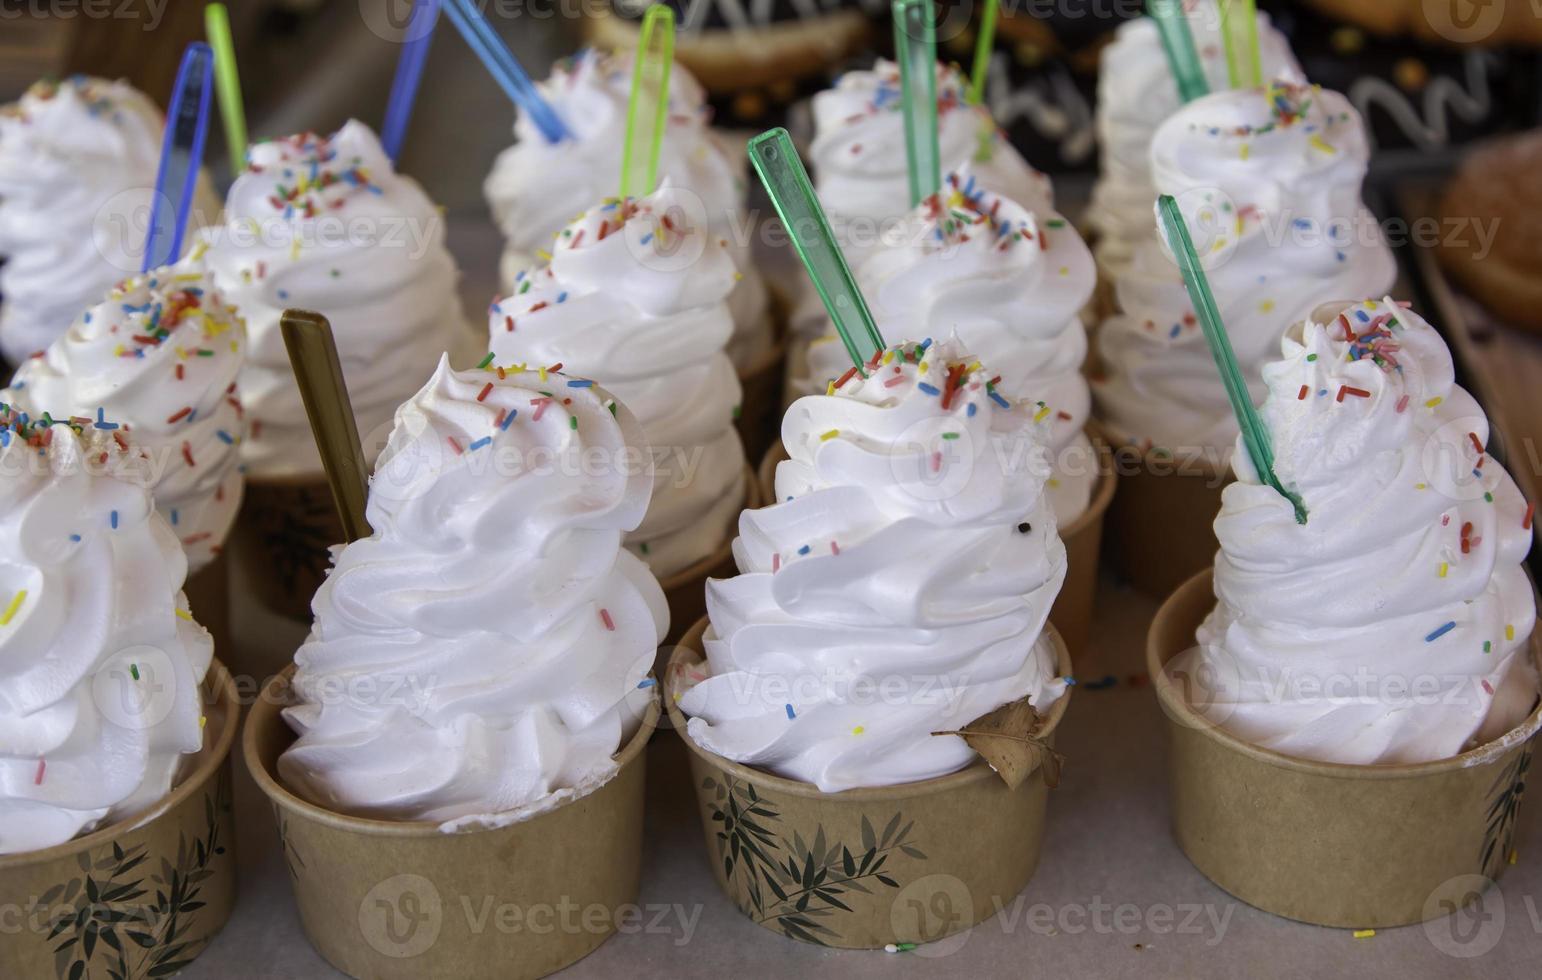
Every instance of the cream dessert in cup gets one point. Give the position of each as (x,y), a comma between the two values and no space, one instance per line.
(1010,283)
(325,223)
(508,762)
(78,162)
(115,721)
(1367,677)
(1268,180)
(635,296)
(1136,94)
(913,550)
(160,356)
(860,172)
(537,187)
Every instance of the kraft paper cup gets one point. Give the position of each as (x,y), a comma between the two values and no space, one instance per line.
(403,900)
(1160,528)
(1330,844)
(1072,612)
(686,590)
(208,596)
(898,864)
(283,539)
(141,898)
(760,412)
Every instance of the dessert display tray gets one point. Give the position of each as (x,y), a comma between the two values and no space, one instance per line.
(1113,896)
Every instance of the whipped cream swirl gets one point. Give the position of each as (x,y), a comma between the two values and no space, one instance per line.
(899,588)
(160,355)
(100,659)
(484,653)
(1268,181)
(78,161)
(536,187)
(635,297)
(1136,93)
(324,223)
(1010,283)
(1392,626)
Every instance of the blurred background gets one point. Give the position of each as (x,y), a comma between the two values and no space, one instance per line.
(1429,75)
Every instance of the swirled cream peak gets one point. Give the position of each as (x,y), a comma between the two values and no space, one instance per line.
(899,588)
(1392,626)
(536,187)
(324,223)
(635,297)
(858,152)
(484,653)
(1136,93)
(159,355)
(1010,284)
(100,659)
(78,161)
(1268,181)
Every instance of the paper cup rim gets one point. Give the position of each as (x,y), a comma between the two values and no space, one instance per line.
(1097,505)
(700,569)
(287,481)
(267,711)
(224,688)
(976,771)
(1182,713)
(1116,444)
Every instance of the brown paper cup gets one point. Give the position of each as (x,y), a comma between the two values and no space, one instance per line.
(760,411)
(1335,845)
(403,901)
(143,897)
(1072,611)
(208,596)
(1160,529)
(866,867)
(282,540)
(686,590)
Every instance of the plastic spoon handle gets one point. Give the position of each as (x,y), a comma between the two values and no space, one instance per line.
(915,45)
(504,68)
(409,73)
(1178,42)
(187,128)
(776,161)
(1239,26)
(982,51)
(227,79)
(1254,436)
(649,101)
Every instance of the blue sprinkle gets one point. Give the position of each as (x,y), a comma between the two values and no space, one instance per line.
(646,238)
(1069,681)
(929,389)
(507,419)
(1000,401)
(478,444)
(88,317)
(1362,317)
(580,383)
(75,538)
(114,520)
(790,713)
(562,297)
(175,516)
(646,682)
(924,345)
(226,437)
(803,550)
(971,410)
(283,294)
(1442,631)
(1321,392)
(1175,330)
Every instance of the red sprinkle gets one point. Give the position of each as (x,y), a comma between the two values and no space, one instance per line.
(181,374)
(187,454)
(453,444)
(936,461)
(1476,445)
(835,549)
(487,389)
(42,767)
(1347,390)
(1301,395)
(508,324)
(179,416)
(1487,688)
(540,408)
(776,563)
(1402,404)
(1531,510)
(605,618)
(850,372)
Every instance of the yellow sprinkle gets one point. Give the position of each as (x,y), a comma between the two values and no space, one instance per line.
(543,255)
(827,436)
(118,351)
(888,357)
(186,277)
(1245,150)
(1322,144)
(921,368)
(830,387)
(1509,632)
(817,341)
(971,369)
(184,614)
(677,697)
(1065,270)
(199,248)
(1266,306)
(1445,566)
(1364,933)
(1515,856)
(1041,414)
(738,276)
(1421,486)
(294,250)
(1433,402)
(858,730)
(543,374)
(1220,243)
(10,611)
(1052,483)
(203,720)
